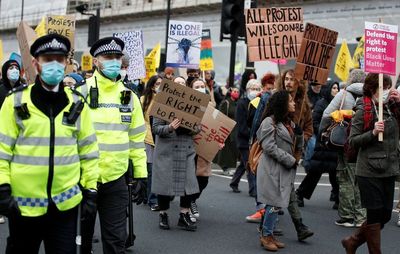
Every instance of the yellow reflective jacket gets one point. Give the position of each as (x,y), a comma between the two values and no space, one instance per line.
(39,152)
(120,129)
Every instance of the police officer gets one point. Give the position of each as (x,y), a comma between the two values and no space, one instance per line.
(48,156)
(120,129)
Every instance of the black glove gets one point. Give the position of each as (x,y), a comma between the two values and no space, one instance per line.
(297,130)
(89,204)
(8,205)
(139,190)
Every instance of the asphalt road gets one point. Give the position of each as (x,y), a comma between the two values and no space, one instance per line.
(222,227)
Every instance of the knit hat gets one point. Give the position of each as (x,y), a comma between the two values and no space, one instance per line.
(78,78)
(356,76)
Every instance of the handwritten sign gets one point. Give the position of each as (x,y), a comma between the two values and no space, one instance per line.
(380,48)
(178,101)
(206,58)
(63,25)
(274,33)
(184,40)
(215,129)
(26,36)
(316,54)
(134,48)
(87,62)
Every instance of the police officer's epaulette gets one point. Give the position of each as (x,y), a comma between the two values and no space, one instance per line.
(17,89)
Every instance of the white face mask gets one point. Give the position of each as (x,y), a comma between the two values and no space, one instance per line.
(201,89)
(123,74)
(252,95)
(385,96)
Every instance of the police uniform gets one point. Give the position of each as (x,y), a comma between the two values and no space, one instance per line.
(48,160)
(120,128)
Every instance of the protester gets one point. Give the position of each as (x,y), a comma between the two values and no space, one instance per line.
(72,79)
(120,129)
(377,161)
(169,73)
(276,171)
(323,159)
(12,78)
(174,170)
(48,166)
(350,211)
(217,90)
(314,93)
(147,100)
(228,156)
(246,76)
(302,117)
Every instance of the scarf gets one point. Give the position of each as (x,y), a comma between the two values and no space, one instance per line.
(368,114)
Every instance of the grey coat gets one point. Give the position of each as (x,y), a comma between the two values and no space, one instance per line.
(275,172)
(174,170)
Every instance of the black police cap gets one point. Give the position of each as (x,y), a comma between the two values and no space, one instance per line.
(51,44)
(107,45)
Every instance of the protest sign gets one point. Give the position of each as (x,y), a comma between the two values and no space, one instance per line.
(1,51)
(26,36)
(316,54)
(178,101)
(184,40)
(274,33)
(87,62)
(344,63)
(152,61)
(215,129)
(380,48)
(134,47)
(358,57)
(63,25)
(206,60)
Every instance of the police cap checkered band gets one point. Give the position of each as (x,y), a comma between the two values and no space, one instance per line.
(50,44)
(108,45)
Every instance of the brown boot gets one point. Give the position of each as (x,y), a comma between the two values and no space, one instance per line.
(278,244)
(351,243)
(373,236)
(268,243)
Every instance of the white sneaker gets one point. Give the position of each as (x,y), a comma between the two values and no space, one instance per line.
(194,210)
(2,220)
(192,218)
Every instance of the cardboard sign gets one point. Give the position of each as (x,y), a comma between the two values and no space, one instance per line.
(206,60)
(63,25)
(380,48)
(215,129)
(134,48)
(316,54)
(26,36)
(344,63)
(274,33)
(87,62)
(358,57)
(184,40)
(178,101)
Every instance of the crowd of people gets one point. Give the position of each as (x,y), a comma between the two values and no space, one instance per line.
(89,135)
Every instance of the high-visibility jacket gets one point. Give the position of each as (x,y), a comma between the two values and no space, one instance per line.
(120,129)
(44,159)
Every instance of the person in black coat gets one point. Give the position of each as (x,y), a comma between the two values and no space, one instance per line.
(323,159)
(11,73)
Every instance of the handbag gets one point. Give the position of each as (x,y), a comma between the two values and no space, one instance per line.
(254,156)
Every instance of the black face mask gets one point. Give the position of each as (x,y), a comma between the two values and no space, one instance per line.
(189,80)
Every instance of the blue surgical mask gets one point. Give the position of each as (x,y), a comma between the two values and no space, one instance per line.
(13,75)
(111,68)
(52,73)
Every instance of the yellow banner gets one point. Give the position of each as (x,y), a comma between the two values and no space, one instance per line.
(343,62)
(1,51)
(358,56)
(86,62)
(206,64)
(41,27)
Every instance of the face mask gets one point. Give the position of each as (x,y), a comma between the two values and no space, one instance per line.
(52,73)
(111,68)
(385,96)
(234,95)
(123,74)
(13,75)
(201,90)
(157,90)
(252,95)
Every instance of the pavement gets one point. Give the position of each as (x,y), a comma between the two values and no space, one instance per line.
(222,227)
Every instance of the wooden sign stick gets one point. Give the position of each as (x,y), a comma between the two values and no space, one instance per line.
(380,100)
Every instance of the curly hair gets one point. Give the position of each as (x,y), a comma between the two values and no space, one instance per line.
(278,107)
(268,78)
(148,93)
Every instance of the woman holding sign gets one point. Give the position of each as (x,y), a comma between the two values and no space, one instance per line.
(377,161)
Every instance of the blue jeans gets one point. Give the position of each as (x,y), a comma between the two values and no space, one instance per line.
(152,198)
(309,152)
(270,219)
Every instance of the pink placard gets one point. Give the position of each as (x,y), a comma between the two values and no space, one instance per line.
(380,48)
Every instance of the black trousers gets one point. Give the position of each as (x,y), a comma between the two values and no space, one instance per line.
(310,182)
(164,201)
(112,204)
(203,182)
(56,229)
(241,169)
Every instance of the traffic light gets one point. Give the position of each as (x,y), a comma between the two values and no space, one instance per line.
(94,29)
(232,17)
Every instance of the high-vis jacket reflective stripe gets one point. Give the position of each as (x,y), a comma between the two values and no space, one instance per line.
(25,155)
(120,130)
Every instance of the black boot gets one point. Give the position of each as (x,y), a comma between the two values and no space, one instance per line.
(302,230)
(164,223)
(186,223)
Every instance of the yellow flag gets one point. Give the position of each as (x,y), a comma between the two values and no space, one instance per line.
(152,62)
(358,57)
(1,51)
(155,53)
(87,62)
(41,27)
(343,62)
